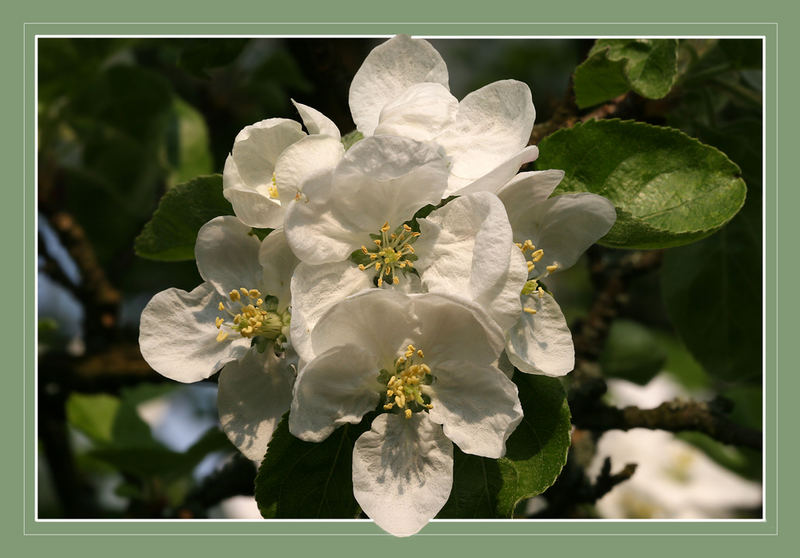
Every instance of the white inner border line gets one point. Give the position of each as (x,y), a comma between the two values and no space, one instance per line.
(763,38)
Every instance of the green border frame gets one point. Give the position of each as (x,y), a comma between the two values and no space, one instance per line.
(349,537)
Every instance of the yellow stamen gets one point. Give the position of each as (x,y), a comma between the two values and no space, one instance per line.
(552,268)
(407,413)
(221,307)
(529,310)
(222,336)
(234,296)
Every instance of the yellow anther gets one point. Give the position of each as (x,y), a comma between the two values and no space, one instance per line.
(244,291)
(407,413)
(234,296)
(364,249)
(254,293)
(385,227)
(221,307)
(530,266)
(420,354)
(222,336)
(541,292)
(388,406)
(406,228)
(395,280)
(273,191)
(377,266)
(218,322)
(259,302)
(361,267)
(529,310)
(377,242)
(537,255)
(552,268)
(380,281)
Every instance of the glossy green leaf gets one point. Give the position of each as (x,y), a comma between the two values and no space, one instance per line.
(632,353)
(300,479)
(668,188)
(170,235)
(647,66)
(535,454)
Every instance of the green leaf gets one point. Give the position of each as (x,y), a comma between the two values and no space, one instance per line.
(300,479)
(668,189)
(186,144)
(647,66)
(535,454)
(632,352)
(93,414)
(171,233)
(712,292)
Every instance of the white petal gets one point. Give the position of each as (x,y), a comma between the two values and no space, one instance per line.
(253,206)
(227,255)
(379,320)
(526,190)
(465,249)
(177,336)
(420,112)
(317,235)
(337,387)
(316,122)
(387,178)
(451,328)
(493,180)
(477,405)
(492,122)
(387,71)
(278,263)
(313,158)
(254,393)
(314,290)
(257,148)
(565,226)
(402,472)
(541,343)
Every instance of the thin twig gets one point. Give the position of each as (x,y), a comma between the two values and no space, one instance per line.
(674,416)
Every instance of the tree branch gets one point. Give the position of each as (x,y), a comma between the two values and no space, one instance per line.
(673,416)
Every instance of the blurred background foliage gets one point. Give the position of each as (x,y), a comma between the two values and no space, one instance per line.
(123,120)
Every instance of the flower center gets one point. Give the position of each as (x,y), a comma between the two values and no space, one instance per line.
(392,252)
(273,190)
(404,387)
(254,317)
(532,286)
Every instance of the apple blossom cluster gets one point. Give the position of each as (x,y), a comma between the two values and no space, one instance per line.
(356,303)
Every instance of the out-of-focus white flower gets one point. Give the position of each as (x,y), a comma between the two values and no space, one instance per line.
(351,233)
(427,360)
(552,234)
(401,89)
(673,479)
(259,178)
(237,321)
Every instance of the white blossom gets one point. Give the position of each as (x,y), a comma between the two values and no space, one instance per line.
(352,232)
(237,320)
(427,361)
(259,173)
(552,233)
(401,89)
